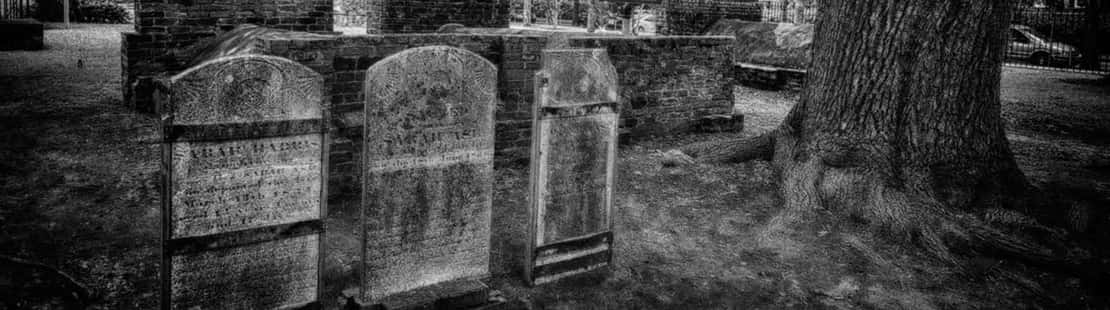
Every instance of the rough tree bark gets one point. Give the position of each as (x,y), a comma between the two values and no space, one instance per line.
(900,125)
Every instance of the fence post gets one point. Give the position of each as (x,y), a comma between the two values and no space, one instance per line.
(527,12)
(784,16)
(591,16)
(65,12)
(575,19)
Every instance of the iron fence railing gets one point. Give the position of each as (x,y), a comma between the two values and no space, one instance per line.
(1067,40)
(12,9)
(783,11)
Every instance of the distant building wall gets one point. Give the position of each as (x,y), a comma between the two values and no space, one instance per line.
(423,16)
(694,17)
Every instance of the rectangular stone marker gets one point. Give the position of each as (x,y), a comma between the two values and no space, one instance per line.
(428,171)
(574,143)
(243,185)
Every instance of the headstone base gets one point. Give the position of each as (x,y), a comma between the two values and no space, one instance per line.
(454,295)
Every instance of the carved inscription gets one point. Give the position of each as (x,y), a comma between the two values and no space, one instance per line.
(428,169)
(236,185)
(269,275)
(575,166)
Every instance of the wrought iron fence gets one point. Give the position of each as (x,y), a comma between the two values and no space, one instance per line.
(782,11)
(12,9)
(1059,39)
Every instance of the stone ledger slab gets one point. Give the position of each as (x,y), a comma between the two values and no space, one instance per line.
(244,172)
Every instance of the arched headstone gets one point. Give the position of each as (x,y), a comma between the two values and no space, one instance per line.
(574,143)
(244,172)
(427,171)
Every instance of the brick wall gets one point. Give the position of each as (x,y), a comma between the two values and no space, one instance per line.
(521,59)
(165,28)
(693,17)
(423,16)
(343,62)
(668,81)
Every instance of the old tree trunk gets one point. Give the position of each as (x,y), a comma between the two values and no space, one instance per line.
(900,126)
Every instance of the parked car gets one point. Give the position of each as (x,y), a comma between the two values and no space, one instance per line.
(516,17)
(1027,44)
(645,23)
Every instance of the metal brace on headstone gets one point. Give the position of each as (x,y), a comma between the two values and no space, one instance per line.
(574,142)
(244,172)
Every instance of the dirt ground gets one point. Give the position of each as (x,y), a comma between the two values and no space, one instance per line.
(79,192)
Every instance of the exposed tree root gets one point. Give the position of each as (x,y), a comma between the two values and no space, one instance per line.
(740,150)
(908,211)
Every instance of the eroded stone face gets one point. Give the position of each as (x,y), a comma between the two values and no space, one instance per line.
(428,163)
(575,143)
(243,89)
(578,76)
(269,275)
(572,168)
(575,195)
(245,158)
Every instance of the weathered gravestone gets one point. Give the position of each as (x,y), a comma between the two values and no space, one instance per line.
(244,175)
(573,151)
(427,171)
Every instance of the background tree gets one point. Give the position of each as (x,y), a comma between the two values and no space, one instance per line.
(52,10)
(899,126)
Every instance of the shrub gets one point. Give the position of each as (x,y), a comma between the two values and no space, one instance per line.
(103,13)
(51,10)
